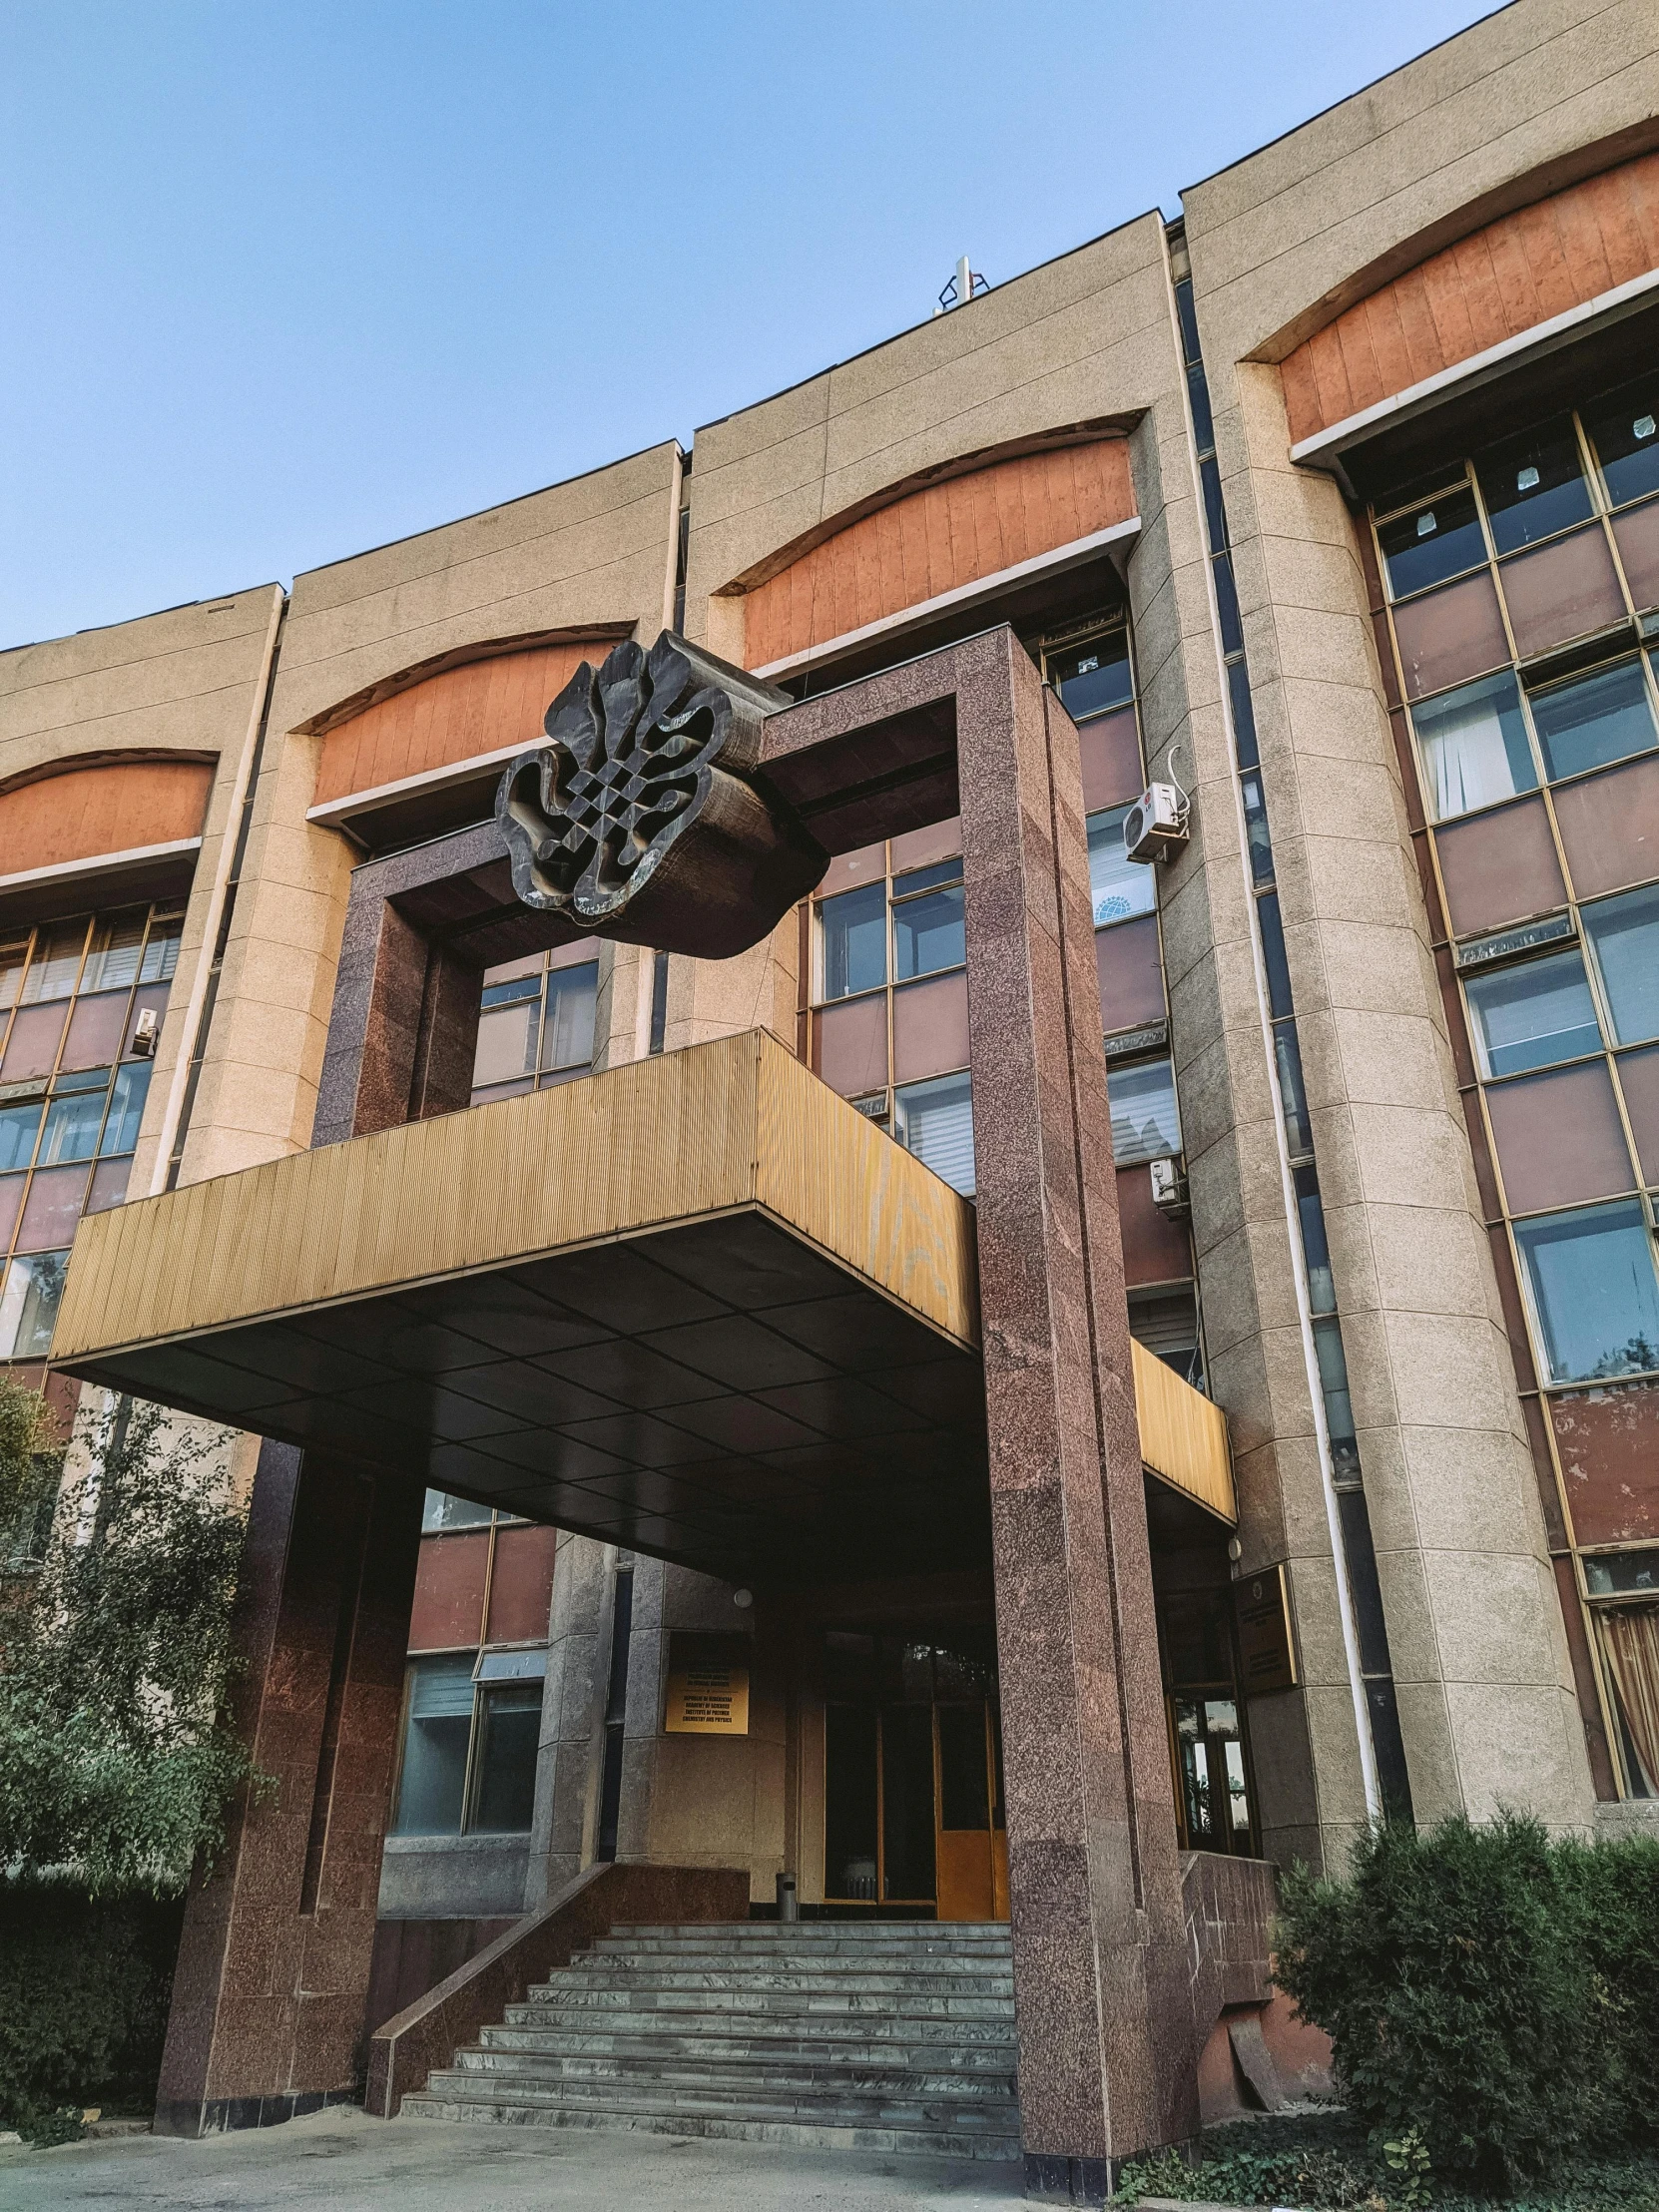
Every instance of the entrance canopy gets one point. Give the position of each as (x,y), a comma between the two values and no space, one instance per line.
(696,1305)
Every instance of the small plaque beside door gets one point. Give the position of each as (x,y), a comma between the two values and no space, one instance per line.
(1267,1653)
(708,1686)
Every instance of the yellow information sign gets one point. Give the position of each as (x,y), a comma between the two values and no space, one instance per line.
(708,1686)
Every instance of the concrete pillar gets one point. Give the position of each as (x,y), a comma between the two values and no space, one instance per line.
(269,1998)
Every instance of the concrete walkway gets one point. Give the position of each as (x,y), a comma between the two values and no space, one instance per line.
(343,2162)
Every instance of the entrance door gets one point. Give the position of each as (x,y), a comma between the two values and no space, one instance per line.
(912,1780)
(972,1844)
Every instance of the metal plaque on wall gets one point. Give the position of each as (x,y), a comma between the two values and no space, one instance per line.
(1267,1653)
(708,1686)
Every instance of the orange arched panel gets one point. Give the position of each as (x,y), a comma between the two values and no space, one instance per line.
(1495,284)
(452,716)
(935,540)
(108,807)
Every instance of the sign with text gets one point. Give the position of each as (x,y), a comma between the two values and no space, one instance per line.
(708,1685)
(1267,1656)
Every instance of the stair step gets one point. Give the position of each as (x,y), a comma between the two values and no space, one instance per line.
(740,2077)
(913,2129)
(886,2036)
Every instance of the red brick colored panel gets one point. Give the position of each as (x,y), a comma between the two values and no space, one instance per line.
(1639,1079)
(450,716)
(929,1028)
(450,1593)
(1450,635)
(1608,1439)
(1113,774)
(94,1031)
(1499,868)
(935,540)
(521,1589)
(850,1046)
(1610,827)
(1637,532)
(1495,284)
(940,841)
(1562,591)
(1131,973)
(1559,1139)
(114,808)
(1154,1249)
(32,1047)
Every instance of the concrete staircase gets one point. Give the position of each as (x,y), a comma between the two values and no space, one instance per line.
(892,2036)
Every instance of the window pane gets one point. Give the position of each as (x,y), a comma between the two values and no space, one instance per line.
(1533,1016)
(444,1512)
(132,1087)
(936,1121)
(117,940)
(509,1722)
(109,1184)
(928,933)
(567,1032)
(1533,486)
(506,1044)
(96,1030)
(854,940)
(1475,749)
(1436,542)
(1119,886)
(1093,677)
(1622,1574)
(430,1797)
(72,1125)
(161,954)
(1145,1123)
(17,1134)
(1623,431)
(29,1305)
(56,963)
(1603,717)
(1594,1291)
(53,1208)
(12,960)
(1625,934)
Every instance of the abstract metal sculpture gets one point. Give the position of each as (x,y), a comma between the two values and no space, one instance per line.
(639,818)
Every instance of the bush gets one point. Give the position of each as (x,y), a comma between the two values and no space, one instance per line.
(1487,1988)
(84,1988)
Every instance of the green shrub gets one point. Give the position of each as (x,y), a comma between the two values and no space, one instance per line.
(84,1987)
(1489,1989)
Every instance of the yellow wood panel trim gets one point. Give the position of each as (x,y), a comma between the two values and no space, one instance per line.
(870,1203)
(676,1137)
(1183,1435)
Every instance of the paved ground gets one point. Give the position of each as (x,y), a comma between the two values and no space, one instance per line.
(347,2164)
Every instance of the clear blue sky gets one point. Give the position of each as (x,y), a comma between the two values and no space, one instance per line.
(285,278)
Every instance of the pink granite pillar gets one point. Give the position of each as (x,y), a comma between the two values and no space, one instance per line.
(271,1987)
(1100,1977)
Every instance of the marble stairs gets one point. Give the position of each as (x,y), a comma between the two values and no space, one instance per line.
(887,2035)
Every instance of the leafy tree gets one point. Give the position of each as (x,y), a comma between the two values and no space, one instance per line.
(117,1756)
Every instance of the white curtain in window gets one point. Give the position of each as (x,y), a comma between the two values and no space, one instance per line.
(1467,750)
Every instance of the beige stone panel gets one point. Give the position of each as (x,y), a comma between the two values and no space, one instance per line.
(1452,1371)
(1330,1726)
(598,549)
(752,991)
(1431,1753)
(1309,576)
(1372,967)
(182,680)
(1490,1626)
(1428,1261)
(1520,1746)
(1471,1489)
(622,1005)
(1343,881)
(1306,1522)
(1231,1295)
(1263,1530)
(1527,87)
(1413,1645)
(1387,1060)
(1338,721)
(1371,1383)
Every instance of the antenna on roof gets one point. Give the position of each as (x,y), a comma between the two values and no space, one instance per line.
(966,284)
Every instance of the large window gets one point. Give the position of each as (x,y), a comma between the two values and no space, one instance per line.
(75,1046)
(935,1120)
(1533,1015)
(535,1025)
(472,1724)
(1474,750)
(1146,1124)
(1594,1291)
(1624,934)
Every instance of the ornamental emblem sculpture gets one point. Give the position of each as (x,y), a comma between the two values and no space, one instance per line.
(639,818)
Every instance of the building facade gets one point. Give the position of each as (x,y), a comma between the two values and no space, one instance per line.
(1334,506)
